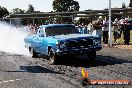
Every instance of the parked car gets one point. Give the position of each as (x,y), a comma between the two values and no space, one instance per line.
(56,40)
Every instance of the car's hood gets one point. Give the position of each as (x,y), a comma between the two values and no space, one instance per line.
(74,36)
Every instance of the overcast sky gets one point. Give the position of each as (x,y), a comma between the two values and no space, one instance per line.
(46,5)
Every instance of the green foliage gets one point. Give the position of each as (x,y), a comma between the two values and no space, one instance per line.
(123,5)
(3,12)
(65,5)
(17,11)
(30,9)
(130,4)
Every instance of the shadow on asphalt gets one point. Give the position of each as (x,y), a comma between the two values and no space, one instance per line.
(35,69)
(100,61)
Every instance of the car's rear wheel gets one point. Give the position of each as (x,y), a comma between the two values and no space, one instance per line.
(53,57)
(33,53)
(92,55)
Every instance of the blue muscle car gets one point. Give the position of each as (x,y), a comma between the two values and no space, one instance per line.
(55,40)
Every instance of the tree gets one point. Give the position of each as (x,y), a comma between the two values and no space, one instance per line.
(123,5)
(130,4)
(30,9)
(17,11)
(65,5)
(3,12)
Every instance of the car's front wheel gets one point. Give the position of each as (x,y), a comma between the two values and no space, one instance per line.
(91,55)
(53,57)
(33,53)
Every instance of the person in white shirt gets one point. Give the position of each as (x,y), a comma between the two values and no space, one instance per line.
(90,28)
(105,30)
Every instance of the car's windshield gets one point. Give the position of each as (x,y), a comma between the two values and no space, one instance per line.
(59,30)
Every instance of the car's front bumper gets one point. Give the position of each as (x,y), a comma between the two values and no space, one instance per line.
(78,51)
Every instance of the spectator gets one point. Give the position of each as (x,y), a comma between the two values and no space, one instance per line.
(105,30)
(84,29)
(98,27)
(90,28)
(126,32)
(116,30)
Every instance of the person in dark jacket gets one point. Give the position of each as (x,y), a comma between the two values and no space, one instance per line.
(126,31)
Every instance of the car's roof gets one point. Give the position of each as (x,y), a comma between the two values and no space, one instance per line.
(52,25)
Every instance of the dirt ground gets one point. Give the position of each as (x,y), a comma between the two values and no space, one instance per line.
(119,46)
(111,63)
(17,71)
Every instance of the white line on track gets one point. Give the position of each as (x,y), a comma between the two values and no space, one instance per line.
(18,79)
(6,81)
(11,80)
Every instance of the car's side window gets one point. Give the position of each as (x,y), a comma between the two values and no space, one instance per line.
(40,32)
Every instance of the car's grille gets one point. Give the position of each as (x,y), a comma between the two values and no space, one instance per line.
(79,43)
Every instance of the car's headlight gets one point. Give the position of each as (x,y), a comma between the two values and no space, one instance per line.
(97,42)
(61,45)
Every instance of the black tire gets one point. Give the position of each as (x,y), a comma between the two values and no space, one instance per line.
(92,55)
(53,57)
(33,53)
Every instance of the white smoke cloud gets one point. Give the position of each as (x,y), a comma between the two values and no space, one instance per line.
(12,39)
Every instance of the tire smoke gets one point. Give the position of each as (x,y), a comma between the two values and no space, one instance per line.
(12,39)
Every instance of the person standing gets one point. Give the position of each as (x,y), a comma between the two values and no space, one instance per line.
(105,30)
(116,30)
(90,28)
(98,27)
(126,32)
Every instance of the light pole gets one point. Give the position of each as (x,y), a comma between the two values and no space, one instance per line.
(110,32)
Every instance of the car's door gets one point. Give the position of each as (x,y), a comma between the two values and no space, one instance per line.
(38,41)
